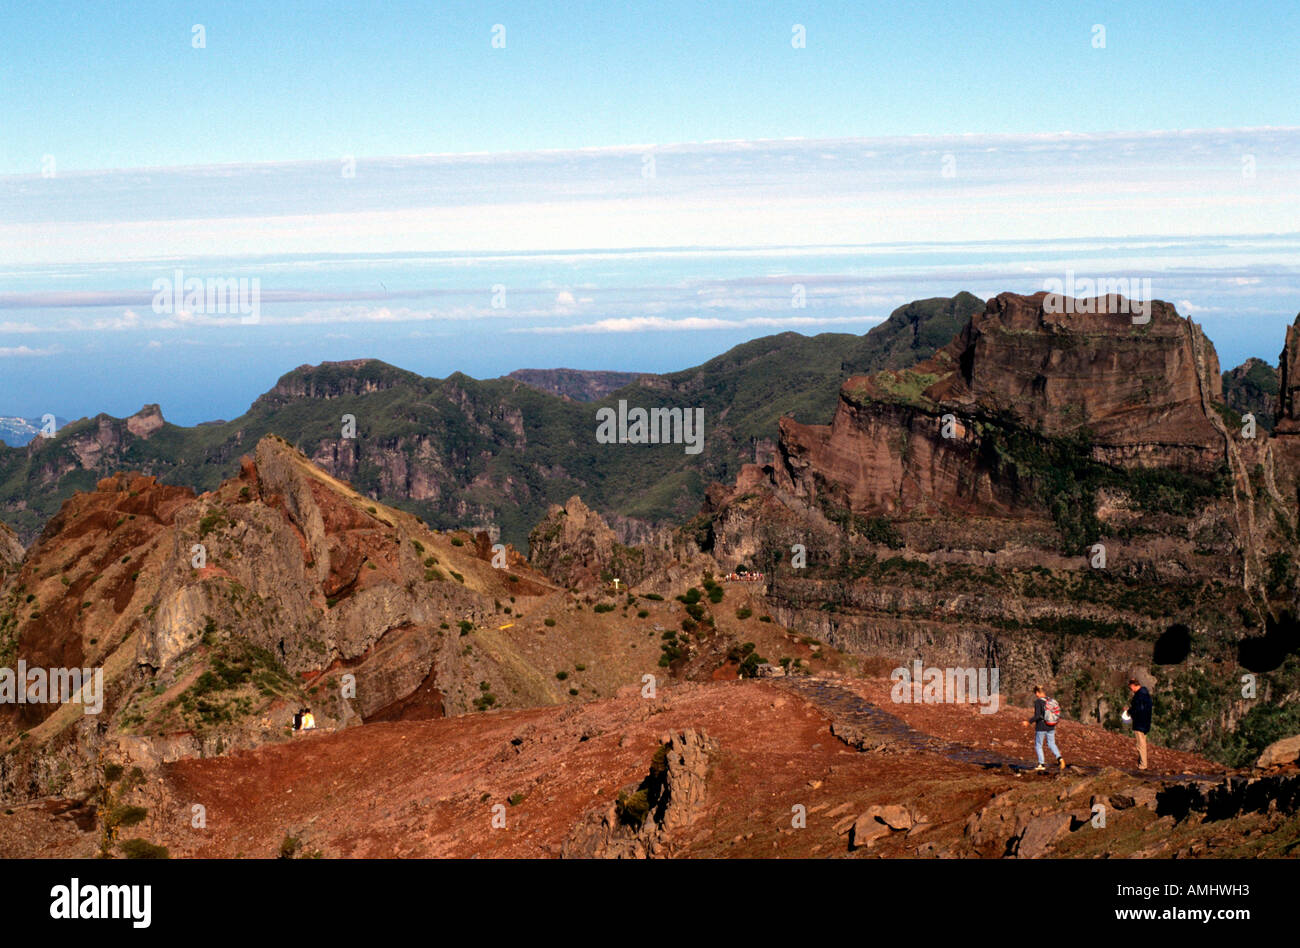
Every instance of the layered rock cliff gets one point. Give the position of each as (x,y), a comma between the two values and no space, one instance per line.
(1059,495)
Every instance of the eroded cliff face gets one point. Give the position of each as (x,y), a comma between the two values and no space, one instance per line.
(914,439)
(1055,495)
(1139,389)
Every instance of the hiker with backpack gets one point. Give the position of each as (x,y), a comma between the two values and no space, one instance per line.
(1139,712)
(1047,711)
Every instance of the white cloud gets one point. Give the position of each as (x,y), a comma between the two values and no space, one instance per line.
(698,323)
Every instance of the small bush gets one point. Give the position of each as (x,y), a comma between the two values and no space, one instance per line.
(142,849)
(126,815)
(633,808)
(561,675)
(548,622)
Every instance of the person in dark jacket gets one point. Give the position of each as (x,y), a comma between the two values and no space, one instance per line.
(1043,731)
(1139,709)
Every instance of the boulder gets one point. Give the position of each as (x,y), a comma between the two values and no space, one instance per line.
(1040,833)
(895,817)
(867,829)
(1285,751)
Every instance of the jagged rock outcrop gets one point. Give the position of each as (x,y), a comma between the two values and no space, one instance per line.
(575,547)
(641,823)
(1139,392)
(213,617)
(1288,406)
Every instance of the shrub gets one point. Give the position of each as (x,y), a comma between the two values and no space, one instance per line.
(466,626)
(126,815)
(642,613)
(561,675)
(603,607)
(744,612)
(142,849)
(633,808)
(548,622)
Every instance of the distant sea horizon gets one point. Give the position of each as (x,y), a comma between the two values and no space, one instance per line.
(643,259)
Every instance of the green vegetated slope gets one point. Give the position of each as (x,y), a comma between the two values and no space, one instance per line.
(1253,387)
(495,451)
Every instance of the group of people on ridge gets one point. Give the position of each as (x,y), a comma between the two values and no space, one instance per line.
(1047,712)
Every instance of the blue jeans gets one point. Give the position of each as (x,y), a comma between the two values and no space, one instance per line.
(1050,737)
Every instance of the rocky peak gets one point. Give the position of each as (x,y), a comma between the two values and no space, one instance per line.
(1288,407)
(1252,387)
(145,422)
(573,544)
(1141,391)
(335,380)
(577,385)
(1134,386)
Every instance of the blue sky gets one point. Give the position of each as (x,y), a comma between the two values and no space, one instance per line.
(647,182)
(120,86)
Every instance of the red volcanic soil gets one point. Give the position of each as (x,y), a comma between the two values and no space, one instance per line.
(428,788)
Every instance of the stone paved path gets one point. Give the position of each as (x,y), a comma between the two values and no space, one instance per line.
(867,726)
